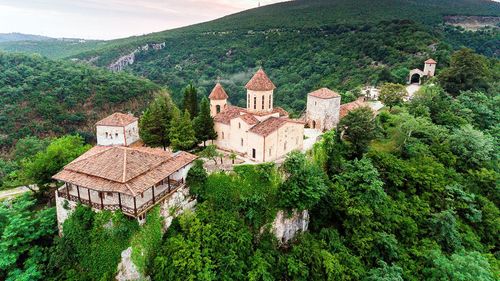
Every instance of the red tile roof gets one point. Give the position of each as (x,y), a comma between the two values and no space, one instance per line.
(117,119)
(324,93)
(249,119)
(218,93)
(123,169)
(348,107)
(430,61)
(228,114)
(260,82)
(270,125)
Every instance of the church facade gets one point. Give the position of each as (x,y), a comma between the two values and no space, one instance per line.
(260,131)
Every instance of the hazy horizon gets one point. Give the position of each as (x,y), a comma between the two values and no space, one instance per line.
(94,19)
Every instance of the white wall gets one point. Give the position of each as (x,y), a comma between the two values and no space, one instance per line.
(268,101)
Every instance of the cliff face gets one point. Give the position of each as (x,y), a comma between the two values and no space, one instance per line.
(285,227)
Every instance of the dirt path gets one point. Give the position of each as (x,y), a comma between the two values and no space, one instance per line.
(9,193)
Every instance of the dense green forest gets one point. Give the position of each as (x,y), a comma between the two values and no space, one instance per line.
(304,45)
(50,47)
(41,97)
(409,194)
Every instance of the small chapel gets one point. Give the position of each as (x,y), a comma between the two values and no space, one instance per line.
(260,132)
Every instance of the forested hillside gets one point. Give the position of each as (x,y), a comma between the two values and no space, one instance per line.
(42,97)
(8,37)
(50,47)
(307,44)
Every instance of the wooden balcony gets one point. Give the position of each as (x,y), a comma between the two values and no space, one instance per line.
(129,205)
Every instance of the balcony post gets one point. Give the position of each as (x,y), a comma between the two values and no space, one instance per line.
(135,207)
(102,203)
(153,194)
(90,199)
(120,200)
(67,191)
(78,191)
(168,180)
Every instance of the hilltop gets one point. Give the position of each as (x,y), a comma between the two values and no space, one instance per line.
(304,45)
(42,97)
(15,36)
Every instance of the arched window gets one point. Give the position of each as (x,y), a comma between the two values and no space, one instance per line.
(217,108)
(241,141)
(239,125)
(263,102)
(107,134)
(254,102)
(270,101)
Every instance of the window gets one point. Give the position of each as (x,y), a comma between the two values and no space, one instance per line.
(110,194)
(242,142)
(253,153)
(142,195)
(262,102)
(116,134)
(315,103)
(254,102)
(270,101)
(222,135)
(239,125)
(217,108)
(107,134)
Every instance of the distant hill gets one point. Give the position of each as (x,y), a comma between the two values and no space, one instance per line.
(9,37)
(42,97)
(51,48)
(303,45)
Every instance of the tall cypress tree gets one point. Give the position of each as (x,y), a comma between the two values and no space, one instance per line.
(190,101)
(155,123)
(182,135)
(204,123)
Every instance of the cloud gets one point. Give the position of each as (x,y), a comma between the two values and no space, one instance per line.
(111,18)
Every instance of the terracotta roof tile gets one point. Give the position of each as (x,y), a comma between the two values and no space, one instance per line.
(122,169)
(430,61)
(324,93)
(260,82)
(117,119)
(348,107)
(270,125)
(218,93)
(249,119)
(228,114)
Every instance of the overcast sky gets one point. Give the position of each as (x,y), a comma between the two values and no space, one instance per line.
(108,19)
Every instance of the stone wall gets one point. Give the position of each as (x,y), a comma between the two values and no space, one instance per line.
(322,114)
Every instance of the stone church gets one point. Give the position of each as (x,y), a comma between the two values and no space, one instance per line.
(260,131)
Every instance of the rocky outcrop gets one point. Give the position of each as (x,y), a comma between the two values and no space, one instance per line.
(286,226)
(129,59)
(127,270)
(175,205)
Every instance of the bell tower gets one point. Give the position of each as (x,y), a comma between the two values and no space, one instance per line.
(218,99)
(430,67)
(260,90)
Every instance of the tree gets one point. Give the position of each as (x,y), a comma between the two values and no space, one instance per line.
(392,94)
(472,148)
(463,266)
(190,101)
(305,183)
(196,177)
(358,128)
(204,123)
(385,273)
(210,152)
(182,135)
(155,122)
(28,147)
(467,71)
(40,169)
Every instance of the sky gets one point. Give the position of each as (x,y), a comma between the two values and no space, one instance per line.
(110,19)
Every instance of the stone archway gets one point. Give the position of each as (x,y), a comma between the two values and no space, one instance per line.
(415,76)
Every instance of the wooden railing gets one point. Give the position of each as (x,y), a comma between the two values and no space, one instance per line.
(128,210)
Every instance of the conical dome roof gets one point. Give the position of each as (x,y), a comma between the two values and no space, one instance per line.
(260,82)
(218,93)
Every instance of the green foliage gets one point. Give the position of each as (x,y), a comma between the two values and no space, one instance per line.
(25,237)
(190,100)
(91,246)
(42,97)
(155,122)
(467,266)
(210,152)
(472,148)
(467,71)
(392,94)
(46,163)
(147,240)
(196,177)
(204,123)
(181,134)
(358,128)
(305,183)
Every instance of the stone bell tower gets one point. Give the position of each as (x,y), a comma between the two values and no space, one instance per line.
(260,93)
(218,99)
(430,67)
